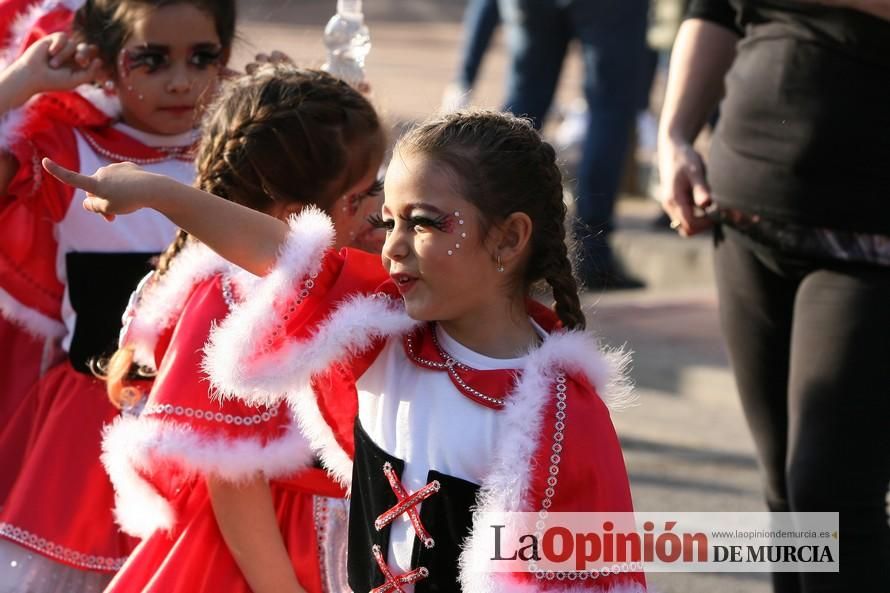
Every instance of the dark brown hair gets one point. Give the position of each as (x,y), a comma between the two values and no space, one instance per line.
(279,135)
(502,165)
(107,23)
(287,135)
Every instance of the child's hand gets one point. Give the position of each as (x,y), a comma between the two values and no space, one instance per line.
(261,59)
(57,63)
(120,188)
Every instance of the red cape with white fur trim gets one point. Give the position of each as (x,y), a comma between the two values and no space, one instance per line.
(316,323)
(158,461)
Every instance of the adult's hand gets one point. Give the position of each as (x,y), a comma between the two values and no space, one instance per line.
(684,191)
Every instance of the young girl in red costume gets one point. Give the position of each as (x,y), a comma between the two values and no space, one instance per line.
(435,386)
(212,488)
(28,336)
(160,62)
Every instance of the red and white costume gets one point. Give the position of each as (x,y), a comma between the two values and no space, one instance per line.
(65,274)
(27,341)
(159,460)
(398,410)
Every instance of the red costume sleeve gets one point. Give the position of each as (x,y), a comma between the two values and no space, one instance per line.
(287,332)
(38,138)
(33,203)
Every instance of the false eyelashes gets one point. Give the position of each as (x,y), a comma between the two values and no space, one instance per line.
(444,223)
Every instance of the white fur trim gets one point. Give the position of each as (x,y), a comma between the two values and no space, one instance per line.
(138,508)
(131,445)
(11,124)
(110,105)
(236,341)
(321,438)
(350,330)
(576,352)
(506,488)
(158,306)
(31,320)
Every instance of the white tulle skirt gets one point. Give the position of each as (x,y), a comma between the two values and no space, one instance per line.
(23,571)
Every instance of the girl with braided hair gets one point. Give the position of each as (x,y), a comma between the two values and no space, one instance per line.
(119,80)
(431,386)
(231,483)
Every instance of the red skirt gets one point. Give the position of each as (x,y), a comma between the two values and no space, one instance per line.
(194,558)
(21,362)
(61,503)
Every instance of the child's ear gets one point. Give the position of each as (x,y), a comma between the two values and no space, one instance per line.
(515,233)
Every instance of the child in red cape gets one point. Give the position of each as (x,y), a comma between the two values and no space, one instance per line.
(65,278)
(223,493)
(431,386)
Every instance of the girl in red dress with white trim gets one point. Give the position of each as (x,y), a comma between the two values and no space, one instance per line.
(221,491)
(28,335)
(432,386)
(69,278)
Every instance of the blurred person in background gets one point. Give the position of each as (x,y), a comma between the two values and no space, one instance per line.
(797,182)
(481,19)
(617,73)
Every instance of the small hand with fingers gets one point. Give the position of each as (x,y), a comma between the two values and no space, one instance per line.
(261,59)
(119,188)
(58,62)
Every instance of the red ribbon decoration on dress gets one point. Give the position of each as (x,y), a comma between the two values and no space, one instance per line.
(407,504)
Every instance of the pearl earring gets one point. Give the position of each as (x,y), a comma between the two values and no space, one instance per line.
(108,86)
(500,266)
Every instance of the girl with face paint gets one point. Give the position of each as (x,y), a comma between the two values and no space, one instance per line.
(432,385)
(120,81)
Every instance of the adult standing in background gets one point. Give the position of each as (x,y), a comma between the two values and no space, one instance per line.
(798,180)
(617,65)
(481,19)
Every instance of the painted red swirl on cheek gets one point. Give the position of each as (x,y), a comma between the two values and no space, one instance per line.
(447,224)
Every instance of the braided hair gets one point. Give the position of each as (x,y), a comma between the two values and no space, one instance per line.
(283,135)
(503,166)
(277,135)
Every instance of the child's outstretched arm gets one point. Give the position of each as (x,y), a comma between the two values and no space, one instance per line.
(245,237)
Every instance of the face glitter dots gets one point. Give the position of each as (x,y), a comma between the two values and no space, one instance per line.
(463,234)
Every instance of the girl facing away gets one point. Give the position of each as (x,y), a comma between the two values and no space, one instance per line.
(221,493)
(158,62)
(432,385)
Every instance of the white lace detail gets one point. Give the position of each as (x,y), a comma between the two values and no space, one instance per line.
(331,526)
(53,550)
(210,416)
